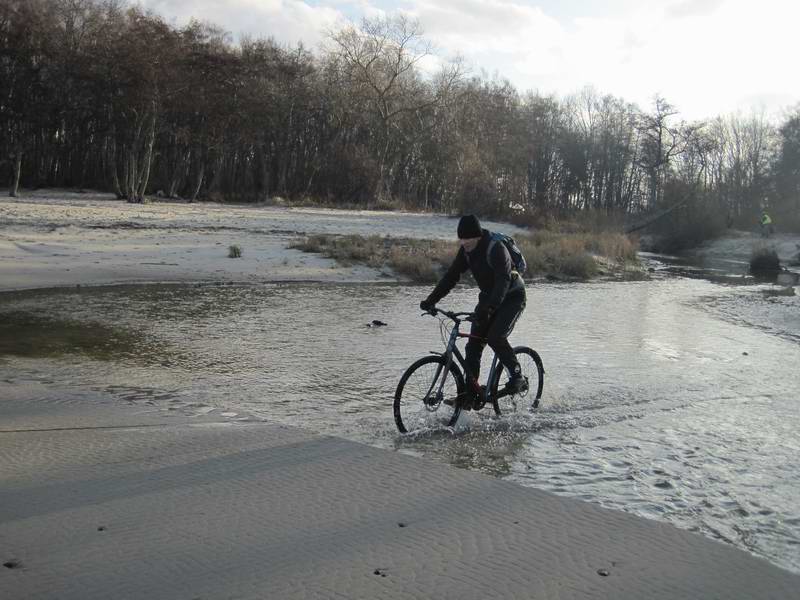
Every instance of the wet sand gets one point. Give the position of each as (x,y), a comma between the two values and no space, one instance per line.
(109,503)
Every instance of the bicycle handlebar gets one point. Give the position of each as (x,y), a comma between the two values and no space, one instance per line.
(455,316)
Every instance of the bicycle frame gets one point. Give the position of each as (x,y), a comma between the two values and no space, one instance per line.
(452,351)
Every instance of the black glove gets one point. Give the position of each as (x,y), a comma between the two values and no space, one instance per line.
(427,305)
(482,314)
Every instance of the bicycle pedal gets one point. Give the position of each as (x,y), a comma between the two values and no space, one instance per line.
(523,388)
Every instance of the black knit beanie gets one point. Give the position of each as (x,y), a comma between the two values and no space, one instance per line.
(469,227)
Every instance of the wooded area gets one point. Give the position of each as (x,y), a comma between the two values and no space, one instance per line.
(98,94)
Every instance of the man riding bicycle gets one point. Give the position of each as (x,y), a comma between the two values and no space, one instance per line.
(500,303)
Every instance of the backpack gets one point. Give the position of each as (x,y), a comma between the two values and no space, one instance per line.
(519,262)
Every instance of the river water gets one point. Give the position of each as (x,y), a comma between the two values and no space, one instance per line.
(674,399)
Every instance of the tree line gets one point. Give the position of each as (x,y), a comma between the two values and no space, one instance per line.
(101,94)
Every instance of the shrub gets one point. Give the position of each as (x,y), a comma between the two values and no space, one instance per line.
(418,267)
(424,261)
(698,219)
(578,265)
(234,251)
(574,254)
(764,262)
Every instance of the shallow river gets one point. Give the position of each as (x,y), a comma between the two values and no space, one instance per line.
(674,399)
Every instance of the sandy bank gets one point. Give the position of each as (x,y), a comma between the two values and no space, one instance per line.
(169,507)
(54,238)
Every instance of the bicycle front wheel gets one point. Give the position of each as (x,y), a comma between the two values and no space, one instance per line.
(427,395)
(532,369)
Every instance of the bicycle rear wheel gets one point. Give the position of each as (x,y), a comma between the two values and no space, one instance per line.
(427,395)
(532,369)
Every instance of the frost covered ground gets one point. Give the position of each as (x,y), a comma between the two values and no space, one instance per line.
(54,238)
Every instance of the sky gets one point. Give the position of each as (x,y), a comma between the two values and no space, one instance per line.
(705,57)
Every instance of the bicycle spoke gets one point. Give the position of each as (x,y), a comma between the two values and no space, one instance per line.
(427,397)
(509,404)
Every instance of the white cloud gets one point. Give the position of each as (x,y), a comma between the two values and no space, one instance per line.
(690,8)
(707,57)
(288,21)
(473,27)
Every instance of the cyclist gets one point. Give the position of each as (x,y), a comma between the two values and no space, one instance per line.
(500,303)
(766,224)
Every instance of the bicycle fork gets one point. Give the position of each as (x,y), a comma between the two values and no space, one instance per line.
(448,356)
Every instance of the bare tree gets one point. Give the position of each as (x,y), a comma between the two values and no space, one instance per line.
(787,167)
(660,143)
(379,64)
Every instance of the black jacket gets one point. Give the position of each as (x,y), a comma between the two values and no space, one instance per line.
(495,280)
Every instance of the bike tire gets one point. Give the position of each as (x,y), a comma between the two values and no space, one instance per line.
(415,408)
(533,369)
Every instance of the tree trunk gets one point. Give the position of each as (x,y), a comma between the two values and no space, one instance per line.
(177,176)
(311,180)
(148,158)
(214,184)
(17,172)
(84,166)
(200,176)
(132,162)
(653,218)
(380,189)
(131,174)
(112,166)
(181,173)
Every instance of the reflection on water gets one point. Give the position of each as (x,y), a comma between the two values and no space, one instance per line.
(656,401)
(41,336)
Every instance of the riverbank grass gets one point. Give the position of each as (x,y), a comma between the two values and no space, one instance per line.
(578,256)
(418,260)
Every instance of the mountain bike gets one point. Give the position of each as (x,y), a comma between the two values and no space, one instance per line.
(432,392)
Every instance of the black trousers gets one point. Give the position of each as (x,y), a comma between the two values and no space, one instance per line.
(495,332)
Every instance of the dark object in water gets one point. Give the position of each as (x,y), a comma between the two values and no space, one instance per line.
(765,263)
(377,323)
